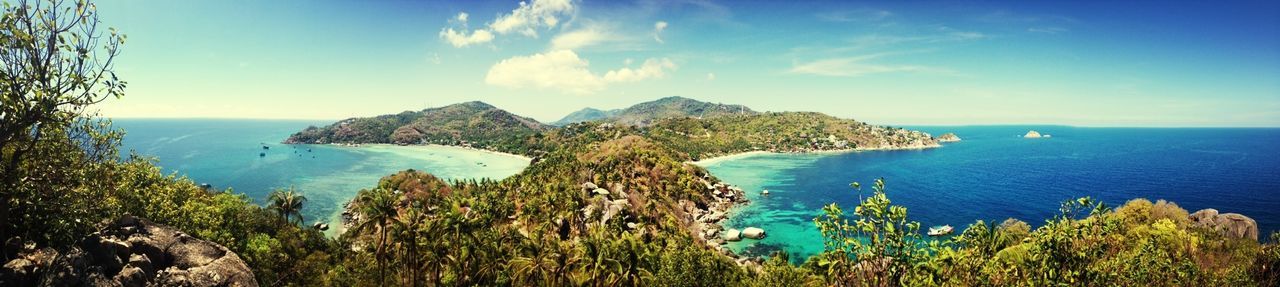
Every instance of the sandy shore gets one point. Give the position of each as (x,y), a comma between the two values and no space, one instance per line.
(445,147)
(714,160)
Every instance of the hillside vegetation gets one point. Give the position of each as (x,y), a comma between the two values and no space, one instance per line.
(780,132)
(472,124)
(645,113)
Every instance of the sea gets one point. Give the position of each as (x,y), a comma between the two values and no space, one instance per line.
(991,175)
(247,156)
(994,174)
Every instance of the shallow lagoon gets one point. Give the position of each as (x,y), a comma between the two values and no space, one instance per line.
(225,154)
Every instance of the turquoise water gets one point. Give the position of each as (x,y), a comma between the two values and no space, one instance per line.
(225,154)
(994,174)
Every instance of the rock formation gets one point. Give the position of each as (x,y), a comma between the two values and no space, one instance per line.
(948,137)
(732,235)
(753,233)
(1032,135)
(130,252)
(1230,224)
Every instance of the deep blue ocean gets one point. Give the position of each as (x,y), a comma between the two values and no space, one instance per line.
(994,174)
(230,154)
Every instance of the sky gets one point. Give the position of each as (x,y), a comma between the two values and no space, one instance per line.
(1091,63)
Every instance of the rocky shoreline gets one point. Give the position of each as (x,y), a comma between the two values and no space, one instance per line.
(706,222)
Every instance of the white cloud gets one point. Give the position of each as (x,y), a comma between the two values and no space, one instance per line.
(657,30)
(579,38)
(860,15)
(563,70)
(526,20)
(652,68)
(1047,30)
(532,16)
(858,66)
(711,76)
(964,36)
(461,39)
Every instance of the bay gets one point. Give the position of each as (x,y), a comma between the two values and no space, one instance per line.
(230,154)
(994,174)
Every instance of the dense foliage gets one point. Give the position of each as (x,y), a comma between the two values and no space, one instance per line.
(1087,244)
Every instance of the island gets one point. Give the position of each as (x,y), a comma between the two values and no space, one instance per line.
(948,137)
(1032,134)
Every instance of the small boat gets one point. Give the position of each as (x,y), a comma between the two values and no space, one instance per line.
(765,192)
(940,230)
(262,154)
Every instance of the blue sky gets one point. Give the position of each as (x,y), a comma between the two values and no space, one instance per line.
(1137,63)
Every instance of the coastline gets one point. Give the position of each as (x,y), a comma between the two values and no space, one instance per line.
(717,159)
(734,210)
(337,224)
(385,145)
(714,160)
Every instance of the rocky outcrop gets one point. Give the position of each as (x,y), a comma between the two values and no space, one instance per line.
(1232,225)
(733,235)
(1032,135)
(948,137)
(753,233)
(131,252)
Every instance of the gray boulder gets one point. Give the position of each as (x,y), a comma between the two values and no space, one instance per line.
(753,233)
(137,252)
(732,235)
(1233,225)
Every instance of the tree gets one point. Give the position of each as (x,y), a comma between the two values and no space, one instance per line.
(54,62)
(377,208)
(287,203)
(877,249)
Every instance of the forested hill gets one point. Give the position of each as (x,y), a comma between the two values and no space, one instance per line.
(780,132)
(720,130)
(466,124)
(586,115)
(645,113)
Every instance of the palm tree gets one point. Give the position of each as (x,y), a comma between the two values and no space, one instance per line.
(377,208)
(287,203)
(407,229)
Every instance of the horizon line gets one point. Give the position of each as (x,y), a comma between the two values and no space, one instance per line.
(879,124)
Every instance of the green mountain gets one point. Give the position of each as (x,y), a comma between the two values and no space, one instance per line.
(466,124)
(585,115)
(643,114)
